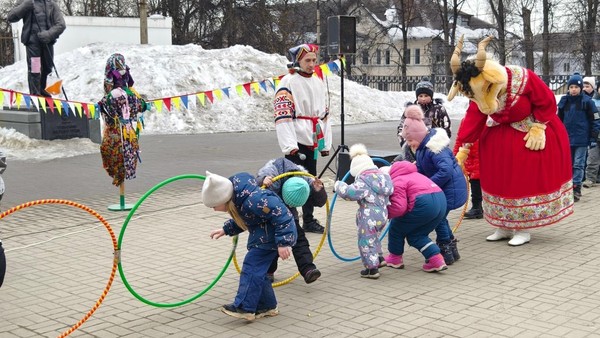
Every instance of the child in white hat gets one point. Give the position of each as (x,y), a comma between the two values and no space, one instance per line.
(371,190)
(271,233)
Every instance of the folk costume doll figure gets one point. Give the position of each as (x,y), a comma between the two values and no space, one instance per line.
(524,156)
(121,110)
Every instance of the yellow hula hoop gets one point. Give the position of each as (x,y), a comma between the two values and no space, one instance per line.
(115,247)
(462,214)
(317,250)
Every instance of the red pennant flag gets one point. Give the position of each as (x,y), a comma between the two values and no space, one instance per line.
(167,102)
(247,87)
(86,110)
(319,72)
(50,103)
(209,95)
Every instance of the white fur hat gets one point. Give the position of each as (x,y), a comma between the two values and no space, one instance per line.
(361,160)
(216,190)
(591,80)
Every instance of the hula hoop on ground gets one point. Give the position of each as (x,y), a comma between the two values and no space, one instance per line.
(112,236)
(317,250)
(120,243)
(383,233)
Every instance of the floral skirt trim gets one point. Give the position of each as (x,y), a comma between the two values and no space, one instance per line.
(529,212)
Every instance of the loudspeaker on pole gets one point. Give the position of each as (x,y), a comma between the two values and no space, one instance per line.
(341,35)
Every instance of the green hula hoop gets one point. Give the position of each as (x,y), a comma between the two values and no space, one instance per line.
(122,233)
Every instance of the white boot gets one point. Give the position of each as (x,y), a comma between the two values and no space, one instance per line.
(500,234)
(520,238)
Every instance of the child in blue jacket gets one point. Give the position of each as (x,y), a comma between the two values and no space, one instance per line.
(578,113)
(271,233)
(436,161)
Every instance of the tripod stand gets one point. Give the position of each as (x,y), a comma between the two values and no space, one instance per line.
(343,157)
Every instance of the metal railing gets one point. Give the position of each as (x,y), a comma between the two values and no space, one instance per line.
(442,83)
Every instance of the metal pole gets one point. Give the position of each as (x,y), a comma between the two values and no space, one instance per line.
(342,99)
(143,22)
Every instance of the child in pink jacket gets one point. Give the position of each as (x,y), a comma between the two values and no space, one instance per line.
(416,207)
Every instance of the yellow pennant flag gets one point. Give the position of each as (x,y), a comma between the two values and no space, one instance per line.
(176,102)
(240,90)
(158,105)
(92,109)
(58,106)
(218,93)
(42,101)
(2,98)
(256,87)
(326,70)
(19,96)
(78,108)
(202,98)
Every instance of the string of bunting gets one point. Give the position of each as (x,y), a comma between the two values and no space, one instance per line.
(54,105)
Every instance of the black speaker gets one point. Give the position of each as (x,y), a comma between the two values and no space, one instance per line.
(341,35)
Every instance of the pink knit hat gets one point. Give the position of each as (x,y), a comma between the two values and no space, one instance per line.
(414,128)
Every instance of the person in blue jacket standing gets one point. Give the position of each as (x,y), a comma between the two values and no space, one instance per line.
(271,232)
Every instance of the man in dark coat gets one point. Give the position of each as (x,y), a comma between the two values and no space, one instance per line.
(43,23)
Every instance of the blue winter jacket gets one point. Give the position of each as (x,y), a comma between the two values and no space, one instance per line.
(436,161)
(270,223)
(580,117)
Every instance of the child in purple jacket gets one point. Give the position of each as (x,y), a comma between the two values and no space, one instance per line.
(371,190)
(417,207)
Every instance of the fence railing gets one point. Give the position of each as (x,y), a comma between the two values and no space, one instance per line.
(442,83)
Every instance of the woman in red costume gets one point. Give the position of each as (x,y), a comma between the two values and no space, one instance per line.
(524,155)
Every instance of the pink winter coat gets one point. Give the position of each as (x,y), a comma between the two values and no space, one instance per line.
(408,184)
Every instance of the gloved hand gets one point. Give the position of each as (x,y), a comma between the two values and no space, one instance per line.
(593,145)
(536,137)
(324,153)
(336,185)
(293,152)
(44,37)
(462,155)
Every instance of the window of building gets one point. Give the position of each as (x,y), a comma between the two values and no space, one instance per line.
(439,58)
(417,56)
(566,67)
(365,57)
(378,56)
(407,57)
(388,57)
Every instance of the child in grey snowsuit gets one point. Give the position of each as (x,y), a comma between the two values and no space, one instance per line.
(372,190)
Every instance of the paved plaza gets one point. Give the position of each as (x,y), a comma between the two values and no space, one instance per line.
(60,259)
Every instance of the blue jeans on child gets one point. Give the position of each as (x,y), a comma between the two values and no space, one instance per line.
(416,225)
(255,291)
(578,155)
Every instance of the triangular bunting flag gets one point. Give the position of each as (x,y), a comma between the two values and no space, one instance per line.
(201,97)
(191,100)
(58,106)
(11,99)
(86,110)
(319,72)
(158,105)
(78,109)
(209,96)
(271,83)
(66,107)
(255,87)
(19,100)
(276,82)
(239,90)
(226,91)
(247,87)
(2,99)
(218,94)
(177,102)
(263,85)
(167,103)
(42,103)
(27,100)
(50,104)
(92,109)
(333,67)
(184,100)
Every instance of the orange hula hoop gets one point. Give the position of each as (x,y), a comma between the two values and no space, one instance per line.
(112,236)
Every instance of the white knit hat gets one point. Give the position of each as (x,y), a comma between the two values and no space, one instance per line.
(361,161)
(216,190)
(591,80)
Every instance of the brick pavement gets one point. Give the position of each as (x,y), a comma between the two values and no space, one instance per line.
(60,259)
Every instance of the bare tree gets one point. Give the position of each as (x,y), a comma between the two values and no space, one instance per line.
(500,15)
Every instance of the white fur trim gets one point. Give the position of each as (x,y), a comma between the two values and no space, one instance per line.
(438,141)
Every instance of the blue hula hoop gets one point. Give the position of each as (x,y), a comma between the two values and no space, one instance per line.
(383,233)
